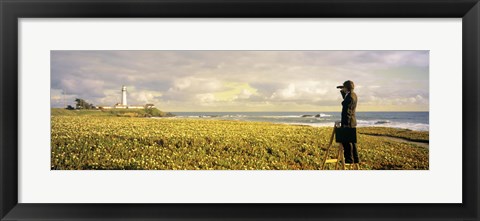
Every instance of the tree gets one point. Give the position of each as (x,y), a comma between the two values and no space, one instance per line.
(82,104)
(69,107)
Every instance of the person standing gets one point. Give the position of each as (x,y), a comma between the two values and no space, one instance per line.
(349,104)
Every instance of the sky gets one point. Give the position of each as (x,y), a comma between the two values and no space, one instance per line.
(221,81)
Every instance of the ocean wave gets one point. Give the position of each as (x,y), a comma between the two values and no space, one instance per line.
(325,115)
(281,116)
(401,125)
(234,115)
(373,122)
(298,116)
(404,125)
(323,120)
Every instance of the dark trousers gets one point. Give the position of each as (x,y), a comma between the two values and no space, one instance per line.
(350,153)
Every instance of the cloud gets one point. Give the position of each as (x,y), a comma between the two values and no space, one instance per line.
(301,90)
(236,91)
(206,98)
(239,80)
(318,93)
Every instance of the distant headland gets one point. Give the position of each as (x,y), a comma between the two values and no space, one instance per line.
(121,109)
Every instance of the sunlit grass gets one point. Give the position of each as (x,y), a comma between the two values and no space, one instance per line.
(420,136)
(102,142)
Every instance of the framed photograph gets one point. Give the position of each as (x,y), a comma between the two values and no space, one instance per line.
(239,110)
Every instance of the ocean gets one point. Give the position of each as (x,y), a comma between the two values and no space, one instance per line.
(408,120)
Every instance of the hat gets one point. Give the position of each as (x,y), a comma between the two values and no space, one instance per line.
(349,85)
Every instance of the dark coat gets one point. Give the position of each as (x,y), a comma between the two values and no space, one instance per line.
(349,105)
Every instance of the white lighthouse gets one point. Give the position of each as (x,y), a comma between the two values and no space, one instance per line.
(124,104)
(124,95)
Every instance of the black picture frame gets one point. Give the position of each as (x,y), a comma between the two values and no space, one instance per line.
(12,10)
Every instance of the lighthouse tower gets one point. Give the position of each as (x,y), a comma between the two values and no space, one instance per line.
(124,95)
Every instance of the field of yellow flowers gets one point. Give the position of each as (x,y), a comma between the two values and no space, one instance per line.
(116,143)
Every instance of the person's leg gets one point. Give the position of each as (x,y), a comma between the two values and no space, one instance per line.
(355,153)
(347,152)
